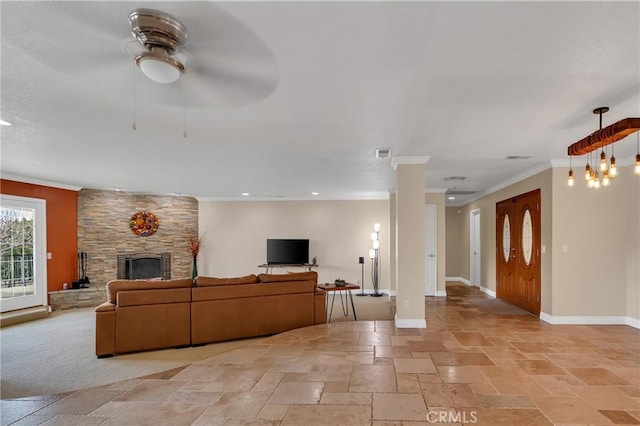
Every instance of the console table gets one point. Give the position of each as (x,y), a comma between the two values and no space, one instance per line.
(332,288)
(268,268)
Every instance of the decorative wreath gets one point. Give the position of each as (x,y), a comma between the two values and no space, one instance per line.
(144,224)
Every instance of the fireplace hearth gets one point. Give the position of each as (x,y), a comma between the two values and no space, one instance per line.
(133,266)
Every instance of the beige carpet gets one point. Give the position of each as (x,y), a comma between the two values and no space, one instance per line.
(56,354)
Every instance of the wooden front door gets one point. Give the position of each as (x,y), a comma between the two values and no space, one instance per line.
(506,251)
(518,251)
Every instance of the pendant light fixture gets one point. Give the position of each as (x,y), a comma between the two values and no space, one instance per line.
(600,174)
(570,179)
(613,169)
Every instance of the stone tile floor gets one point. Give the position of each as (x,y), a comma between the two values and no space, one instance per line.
(470,365)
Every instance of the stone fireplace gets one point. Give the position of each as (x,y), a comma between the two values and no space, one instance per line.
(133,266)
(114,252)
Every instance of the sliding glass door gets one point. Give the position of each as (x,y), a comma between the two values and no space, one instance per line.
(23,268)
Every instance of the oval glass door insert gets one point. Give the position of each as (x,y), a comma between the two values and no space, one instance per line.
(506,238)
(527,237)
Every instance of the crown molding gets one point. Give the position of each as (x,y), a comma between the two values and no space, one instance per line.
(239,199)
(42,182)
(527,174)
(396,161)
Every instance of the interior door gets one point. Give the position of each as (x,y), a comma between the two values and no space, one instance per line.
(475,246)
(431,275)
(528,260)
(505,251)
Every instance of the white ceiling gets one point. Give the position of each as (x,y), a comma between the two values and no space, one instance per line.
(288,98)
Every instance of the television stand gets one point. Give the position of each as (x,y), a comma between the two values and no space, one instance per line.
(268,267)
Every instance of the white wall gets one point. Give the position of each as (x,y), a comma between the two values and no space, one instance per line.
(234,236)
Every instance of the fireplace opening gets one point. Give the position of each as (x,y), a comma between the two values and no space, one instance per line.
(134,266)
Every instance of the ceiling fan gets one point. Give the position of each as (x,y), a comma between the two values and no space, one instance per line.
(227,56)
(213,58)
(163,37)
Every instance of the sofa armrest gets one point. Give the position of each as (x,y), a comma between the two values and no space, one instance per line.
(105,329)
(106,307)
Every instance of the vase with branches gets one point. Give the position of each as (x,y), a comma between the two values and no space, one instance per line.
(194,248)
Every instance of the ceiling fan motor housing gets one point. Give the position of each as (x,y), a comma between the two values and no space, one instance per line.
(157,30)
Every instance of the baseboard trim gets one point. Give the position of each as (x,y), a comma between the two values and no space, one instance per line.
(460,279)
(488,292)
(23,315)
(410,322)
(589,320)
(441,293)
(633,322)
(369,291)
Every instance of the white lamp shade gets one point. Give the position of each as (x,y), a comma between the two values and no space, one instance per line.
(376,227)
(372,254)
(374,236)
(376,244)
(159,70)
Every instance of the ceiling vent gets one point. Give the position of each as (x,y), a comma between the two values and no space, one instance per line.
(519,157)
(383,152)
(454,178)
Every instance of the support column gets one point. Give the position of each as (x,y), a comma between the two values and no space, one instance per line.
(410,241)
(392,245)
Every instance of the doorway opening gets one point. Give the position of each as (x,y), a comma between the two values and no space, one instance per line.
(475,245)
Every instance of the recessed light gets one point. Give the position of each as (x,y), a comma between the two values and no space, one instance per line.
(315,193)
(245,194)
(451,198)
(4,123)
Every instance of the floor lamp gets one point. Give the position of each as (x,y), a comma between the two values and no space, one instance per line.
(374,255)
(361,262)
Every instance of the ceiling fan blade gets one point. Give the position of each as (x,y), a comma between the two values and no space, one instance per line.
(87,32)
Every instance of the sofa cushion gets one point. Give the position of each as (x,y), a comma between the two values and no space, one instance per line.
(199,294)
(296,276)
(211,281)
(114,286)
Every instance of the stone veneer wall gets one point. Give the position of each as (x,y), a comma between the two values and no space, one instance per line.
(103,230)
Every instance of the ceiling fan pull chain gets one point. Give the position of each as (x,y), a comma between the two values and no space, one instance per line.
(184,117)
(134,97)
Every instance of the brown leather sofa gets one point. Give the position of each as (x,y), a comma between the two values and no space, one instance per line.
(144,315)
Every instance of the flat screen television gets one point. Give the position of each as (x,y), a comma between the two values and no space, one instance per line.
(287,252)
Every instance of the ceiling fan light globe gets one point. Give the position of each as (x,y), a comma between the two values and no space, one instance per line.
(159,70)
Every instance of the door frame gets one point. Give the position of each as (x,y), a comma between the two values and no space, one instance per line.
(431,210)
(475,239)
(39,298)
